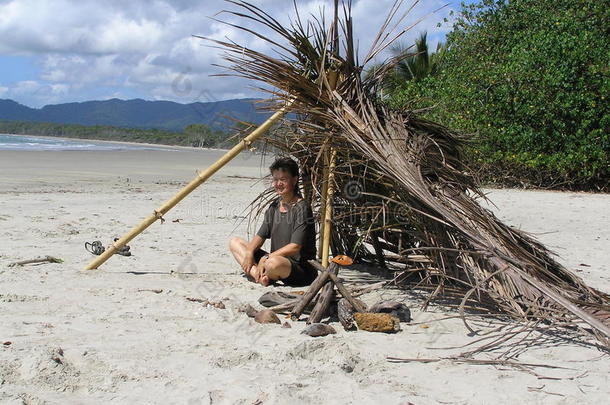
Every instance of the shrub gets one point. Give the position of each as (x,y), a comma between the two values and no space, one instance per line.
(529,79)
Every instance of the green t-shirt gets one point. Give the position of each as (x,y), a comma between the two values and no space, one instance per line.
(294,226)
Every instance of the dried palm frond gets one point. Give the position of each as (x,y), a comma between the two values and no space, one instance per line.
(403,194)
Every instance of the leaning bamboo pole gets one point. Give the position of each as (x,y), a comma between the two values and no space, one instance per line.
(200,179)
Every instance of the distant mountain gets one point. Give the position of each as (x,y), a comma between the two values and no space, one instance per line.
(137,113)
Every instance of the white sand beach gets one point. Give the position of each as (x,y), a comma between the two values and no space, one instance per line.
(126,333)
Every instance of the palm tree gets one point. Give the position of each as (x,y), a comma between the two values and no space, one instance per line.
(411,65)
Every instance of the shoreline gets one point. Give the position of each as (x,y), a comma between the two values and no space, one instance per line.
(130,143)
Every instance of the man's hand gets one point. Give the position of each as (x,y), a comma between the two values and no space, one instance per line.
(260,268)
(262,276)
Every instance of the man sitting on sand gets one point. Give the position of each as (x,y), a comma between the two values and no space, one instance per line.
(289,223)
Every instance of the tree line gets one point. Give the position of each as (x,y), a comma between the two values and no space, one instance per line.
(197,135)
(526,81)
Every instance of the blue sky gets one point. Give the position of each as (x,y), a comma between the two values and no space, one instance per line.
(68,50)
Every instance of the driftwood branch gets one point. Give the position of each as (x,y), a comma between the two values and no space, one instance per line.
(354,292)
(327,294)
(311,291)
(509,363)
(357,306)
(378,249)
(357,292)
(40,260)
(286,306)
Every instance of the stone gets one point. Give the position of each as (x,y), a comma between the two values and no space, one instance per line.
(267,316)
(248,309)
(318,329)
(377,322)
(273,298)
(345,313)
(394,308)
(202,301)
(57,355)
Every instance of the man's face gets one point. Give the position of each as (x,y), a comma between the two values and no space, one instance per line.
(283,182)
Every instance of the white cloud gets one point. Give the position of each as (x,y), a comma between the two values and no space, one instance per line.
(26,86)
(147,46)
(61,26)
(38,92)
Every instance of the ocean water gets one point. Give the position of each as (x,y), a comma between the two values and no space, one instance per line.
(33,143)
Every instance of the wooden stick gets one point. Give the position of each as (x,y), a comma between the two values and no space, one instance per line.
(332,78)
(357,292)
(378,249)
(475,361)
(327,294)
(200,179)
(297,306)
(286,306)
(311,292)
(317,266)
(561,300)
(47,259)
(357,306)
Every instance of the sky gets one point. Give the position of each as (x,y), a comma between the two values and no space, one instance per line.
(77,50)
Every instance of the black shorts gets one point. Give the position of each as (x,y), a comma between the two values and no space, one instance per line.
(301,272)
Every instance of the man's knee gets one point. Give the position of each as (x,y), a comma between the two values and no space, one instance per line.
(234,242)
(276,267)
(272,263)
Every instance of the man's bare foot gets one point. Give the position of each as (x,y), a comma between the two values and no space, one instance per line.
(249,274)
(254,273)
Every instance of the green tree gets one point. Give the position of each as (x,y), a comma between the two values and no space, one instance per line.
(531,79)
(413,63)
(419,64)
(199,135)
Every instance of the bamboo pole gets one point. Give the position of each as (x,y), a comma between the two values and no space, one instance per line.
(332,78)
(328,208)
(200,179)
(323,205)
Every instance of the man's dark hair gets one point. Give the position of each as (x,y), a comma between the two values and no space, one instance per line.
(288,165)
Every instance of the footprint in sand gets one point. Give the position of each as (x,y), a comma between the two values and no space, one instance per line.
(69,229)
(21,298)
